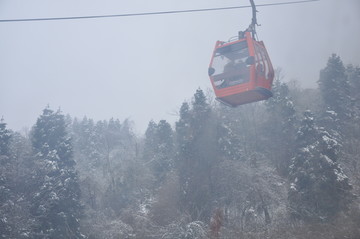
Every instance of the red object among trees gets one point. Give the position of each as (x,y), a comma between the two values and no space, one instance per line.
(241,71)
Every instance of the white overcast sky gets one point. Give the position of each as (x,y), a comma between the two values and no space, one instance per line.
(144,67)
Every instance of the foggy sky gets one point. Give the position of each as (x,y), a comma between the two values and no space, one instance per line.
(144,67)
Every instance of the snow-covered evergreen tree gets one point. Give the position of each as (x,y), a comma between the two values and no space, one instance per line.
(340,116)
(353,131)
(353,73)
(5,136)
(123,169)
(280,127)
(183,131)
(334,87)
(56,201)
(15,221)
(159,148)
(21,185)
(150,141)
(231,144)
(200,112)
(85,141)
(319,189)
(6,194)
(197,153)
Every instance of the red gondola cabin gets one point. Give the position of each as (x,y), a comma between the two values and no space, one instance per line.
(240,71)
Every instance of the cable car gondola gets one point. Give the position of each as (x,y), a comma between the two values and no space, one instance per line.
(240,70)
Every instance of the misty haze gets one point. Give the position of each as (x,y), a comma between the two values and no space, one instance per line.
(187,125)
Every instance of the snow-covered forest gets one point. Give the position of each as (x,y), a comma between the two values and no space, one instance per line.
(288,167)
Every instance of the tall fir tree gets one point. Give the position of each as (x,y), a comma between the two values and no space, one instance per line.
(15,178)
(85,141)
(56,201)
(183,131)
(159,149)
(5,136)
(352,142)
(229,142)
(353,73)
(150,142)
(339,87)
(165,149)
(280,127)
(197,152)
(201,111)
(318,187)
(6,194)
(335,88)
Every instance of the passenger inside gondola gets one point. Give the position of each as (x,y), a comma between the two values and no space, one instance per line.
(237,71)
(229,67)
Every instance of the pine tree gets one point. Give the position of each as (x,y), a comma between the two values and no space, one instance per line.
(280,127)
(335,88)
(183,131)
(200,112)
(15,179)
(353,73)
(340,87)
(49,136)
(319,189)
(88,157)
(159,148)
(352,136)
(165,149)
(5,136)
(150,142)
(230,143)
(85,142)
(6,194)
(56,202)
(197,152)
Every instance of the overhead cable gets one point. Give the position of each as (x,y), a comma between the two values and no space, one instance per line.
(147,13)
